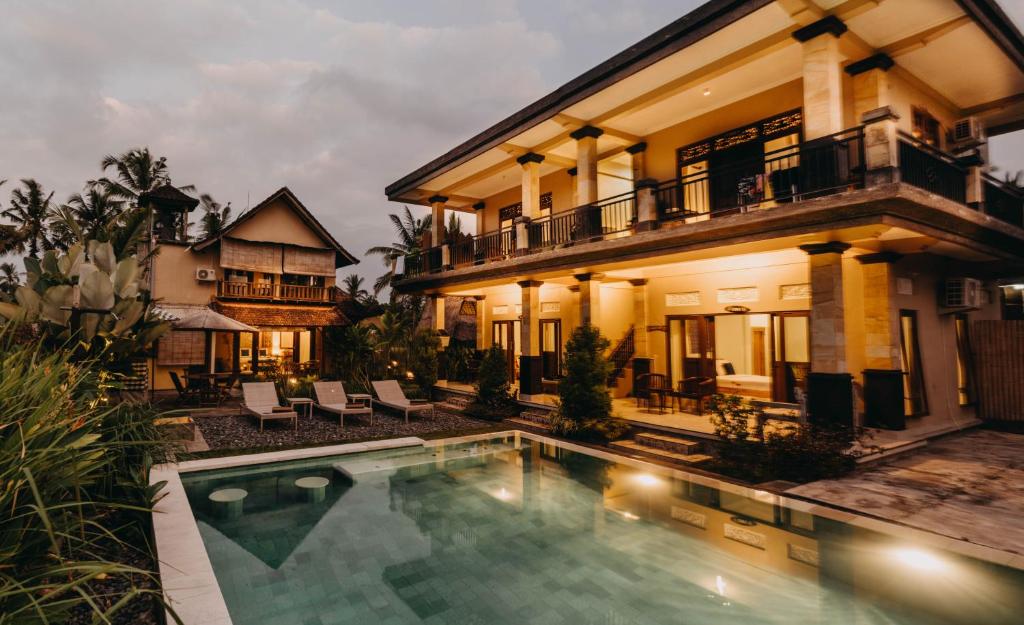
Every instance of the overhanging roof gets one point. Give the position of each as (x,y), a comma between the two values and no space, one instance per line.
(343,256)
(694,27)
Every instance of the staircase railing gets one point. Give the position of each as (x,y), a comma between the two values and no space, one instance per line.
(621,355)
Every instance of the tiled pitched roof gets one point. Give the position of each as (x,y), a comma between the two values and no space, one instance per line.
(263,315)
(169,193)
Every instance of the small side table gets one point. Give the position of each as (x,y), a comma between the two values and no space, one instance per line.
(365,398)
(301,401)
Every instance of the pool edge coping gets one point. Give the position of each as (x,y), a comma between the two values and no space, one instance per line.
(186,571)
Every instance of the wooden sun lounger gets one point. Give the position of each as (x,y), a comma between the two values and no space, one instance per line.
(260,400)
(331,397)
(390,395)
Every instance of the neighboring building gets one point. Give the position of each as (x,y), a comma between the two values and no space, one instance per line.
(268,277)
(788,196)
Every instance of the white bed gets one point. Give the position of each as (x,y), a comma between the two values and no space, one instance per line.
(747,385)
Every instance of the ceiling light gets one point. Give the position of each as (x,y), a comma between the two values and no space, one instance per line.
(707,91)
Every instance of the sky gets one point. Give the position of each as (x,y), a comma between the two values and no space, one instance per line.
(334,99)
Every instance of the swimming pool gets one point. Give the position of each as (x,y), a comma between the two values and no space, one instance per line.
(514,529)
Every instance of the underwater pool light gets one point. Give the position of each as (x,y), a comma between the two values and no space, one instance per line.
(919,559)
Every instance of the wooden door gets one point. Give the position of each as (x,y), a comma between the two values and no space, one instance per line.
(691,347)
(503,336)
(727,168)
(757,351)
(791,354)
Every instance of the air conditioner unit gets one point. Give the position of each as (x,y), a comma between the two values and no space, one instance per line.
(205,274)
(968,132)
(962,293)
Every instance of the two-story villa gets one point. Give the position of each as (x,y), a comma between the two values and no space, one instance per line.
(786,196)
(261,291)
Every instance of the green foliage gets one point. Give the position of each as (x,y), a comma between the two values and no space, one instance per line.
(585,406)
(409,231)
(494,400)
(353,353)
(90,301)
(458,357)
(73,469)
(423,350)
(790,451)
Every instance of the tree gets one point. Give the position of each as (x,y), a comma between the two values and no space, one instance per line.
(96,210)
(423,348)
(215,217)
(410,233)
(31,211)
(494,400)
(137,171)
(9,280)
(585,406)
(352,286)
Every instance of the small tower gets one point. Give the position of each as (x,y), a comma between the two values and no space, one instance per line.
(170,212)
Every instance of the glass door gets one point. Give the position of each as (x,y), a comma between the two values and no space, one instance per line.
(551,348)
(691,348)
(915,400)
(503,336)
(791,360)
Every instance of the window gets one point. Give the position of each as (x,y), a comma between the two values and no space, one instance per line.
(925,127)
(915,401)
(300,280)
(964,365)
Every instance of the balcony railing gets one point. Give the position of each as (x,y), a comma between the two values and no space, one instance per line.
(796,173)
(274,292)
(931,169)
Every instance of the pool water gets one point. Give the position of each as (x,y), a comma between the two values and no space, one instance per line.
(512,530)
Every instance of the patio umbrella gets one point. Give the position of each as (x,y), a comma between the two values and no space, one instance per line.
(202,318)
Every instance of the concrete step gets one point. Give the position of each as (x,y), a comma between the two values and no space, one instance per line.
(536,416)
(634,447)
(664,442)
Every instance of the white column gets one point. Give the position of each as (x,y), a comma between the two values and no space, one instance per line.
(437,312)
(437,224)
(638,153)
(881,146)
(639,318)
(530,163)
(828,326)
(481,322)
(529,340)
(822,77)
(481,225)
(586,163)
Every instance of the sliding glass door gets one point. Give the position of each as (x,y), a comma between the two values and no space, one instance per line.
(791,360)
(504,337)
(551,348)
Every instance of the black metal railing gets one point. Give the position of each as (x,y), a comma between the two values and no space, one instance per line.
(931,169)
(824,166)
(584,223)
(483,248)
(1004,200)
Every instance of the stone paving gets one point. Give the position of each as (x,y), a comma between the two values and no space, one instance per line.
(966,486)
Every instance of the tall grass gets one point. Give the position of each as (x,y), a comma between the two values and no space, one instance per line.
(72,488)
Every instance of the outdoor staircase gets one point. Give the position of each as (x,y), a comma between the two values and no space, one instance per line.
(455,403)
(540,419)
(664,447)
(621,355)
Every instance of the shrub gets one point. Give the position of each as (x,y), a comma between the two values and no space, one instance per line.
(793,452)
(423,350)
(74,469)
(585,406)
(494,400)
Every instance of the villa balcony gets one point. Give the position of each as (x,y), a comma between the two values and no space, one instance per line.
(275,292)
(787,178)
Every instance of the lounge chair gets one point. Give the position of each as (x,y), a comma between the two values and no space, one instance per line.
(260,400)
(186,394)
(390,395)
(331,397)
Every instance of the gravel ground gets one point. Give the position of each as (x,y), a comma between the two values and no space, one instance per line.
(240,432)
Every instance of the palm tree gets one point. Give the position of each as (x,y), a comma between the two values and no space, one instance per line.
(96,209)
(30,211)
(410,234)
(137,172)
(9,280)
(215,217)
(353,288)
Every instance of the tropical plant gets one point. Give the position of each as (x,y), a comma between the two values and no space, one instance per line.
(9,280)
(353,351)
(96,209)
(75,474)
(31,210)
(352,286)
(90,302)
(410,233)
(795,452)
(585,406)
(215,217)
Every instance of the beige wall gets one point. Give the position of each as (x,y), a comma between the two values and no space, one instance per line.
(278,223)
(174,275)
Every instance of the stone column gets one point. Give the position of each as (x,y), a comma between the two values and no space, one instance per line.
(575,321)
(575,187)
(437,225)
(530,362)
(870,83)
(822,77)
(646,205)
(828,331)
(530,163)
(437,315)
(481,322)
(638,151)
(590,299)
(881,147)
(881,316)
(481,226)
(586,163)
(829,385)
